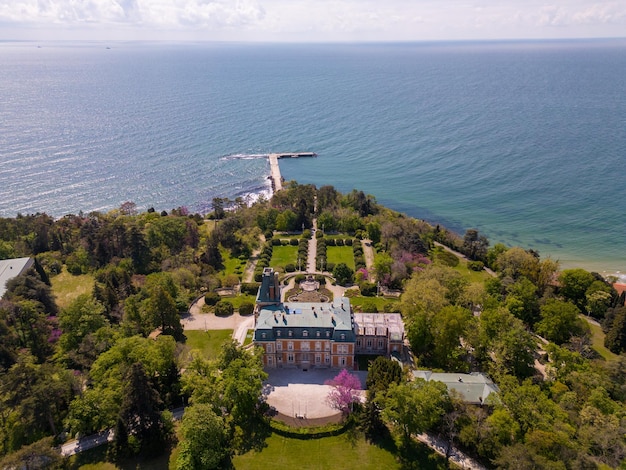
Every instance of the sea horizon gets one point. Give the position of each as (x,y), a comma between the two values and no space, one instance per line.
(521,139)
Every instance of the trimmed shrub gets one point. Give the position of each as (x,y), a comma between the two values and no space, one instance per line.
(348,241)
(369,306)
(319,234)
(321,279)
(331,242)
(275,241)
(290,268)
(258,276)
(306,234)
(447,258)
(246,308)
(368,289)
(250,288)
(300,277)
(476,265)
(211,298)
(293,242)
(224,308)
(339,242)
(330,267)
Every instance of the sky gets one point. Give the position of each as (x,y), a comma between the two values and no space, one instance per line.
(310,20)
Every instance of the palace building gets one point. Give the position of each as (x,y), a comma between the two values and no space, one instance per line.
(318,334)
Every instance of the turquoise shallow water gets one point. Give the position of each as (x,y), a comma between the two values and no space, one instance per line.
(524,141)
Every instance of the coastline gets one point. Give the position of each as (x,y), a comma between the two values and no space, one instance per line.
(568,262)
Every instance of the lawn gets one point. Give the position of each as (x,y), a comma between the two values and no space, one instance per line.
(326,453)
(66,287)
(380,302)
(209,343)
(472,276)
(232,265)
(340,254)
(284,255)
(597,342)
(96,459)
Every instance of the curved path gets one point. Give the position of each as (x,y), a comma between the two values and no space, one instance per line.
(196,320)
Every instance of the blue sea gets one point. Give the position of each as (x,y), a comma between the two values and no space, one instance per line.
(525,141)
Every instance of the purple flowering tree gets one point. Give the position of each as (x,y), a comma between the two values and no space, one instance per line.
(344,392)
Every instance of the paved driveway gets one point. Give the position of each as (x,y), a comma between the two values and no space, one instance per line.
(300,394)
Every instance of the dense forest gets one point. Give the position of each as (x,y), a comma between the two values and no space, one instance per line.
(95,363)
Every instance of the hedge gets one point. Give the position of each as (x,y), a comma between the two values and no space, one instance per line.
(251,288)
(246,308)
(317,432)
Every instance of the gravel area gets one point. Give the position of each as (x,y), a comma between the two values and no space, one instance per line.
(300,394)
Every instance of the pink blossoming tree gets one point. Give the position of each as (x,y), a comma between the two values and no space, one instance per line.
(344,392)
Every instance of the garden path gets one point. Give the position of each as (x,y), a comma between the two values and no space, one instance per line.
(368,253)
(248,274)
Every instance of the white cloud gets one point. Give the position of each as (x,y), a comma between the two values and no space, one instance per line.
(321,19)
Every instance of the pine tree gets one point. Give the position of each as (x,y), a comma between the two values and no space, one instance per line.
(140,427)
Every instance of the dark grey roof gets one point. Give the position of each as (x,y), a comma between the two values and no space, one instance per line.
(309,317)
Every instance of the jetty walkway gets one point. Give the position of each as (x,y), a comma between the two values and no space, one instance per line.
(277,179)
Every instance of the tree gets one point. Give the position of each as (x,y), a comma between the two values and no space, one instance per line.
(32,329)
(161,309)
(382,372)
(204,443)
(475,246)
(574,285)
(29,286)
(34,401)
(345,391)
(560,321)
(503,342)
(141,427)
(343,274)
(598,299)
(38,455)
(218,207)
(82,317)
(615,338)
(213,256)
(415,407)
(233,387)
(374,232)
(286,221)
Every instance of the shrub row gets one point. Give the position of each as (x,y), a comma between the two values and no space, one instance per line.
(251,288)
(303,253)
(285,242)
(359,259)
(321,253)
(264,260)
(317,432)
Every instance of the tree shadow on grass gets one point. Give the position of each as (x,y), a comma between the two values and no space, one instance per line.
(99,455)
(414,455)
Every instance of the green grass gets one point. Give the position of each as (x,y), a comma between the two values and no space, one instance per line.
(284,255)
(472,276)
(66,287)
(230,263)
(249,338)
(340,254)
(209,343)
(597,342)
(325,453)
(96,459)
(380,302)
